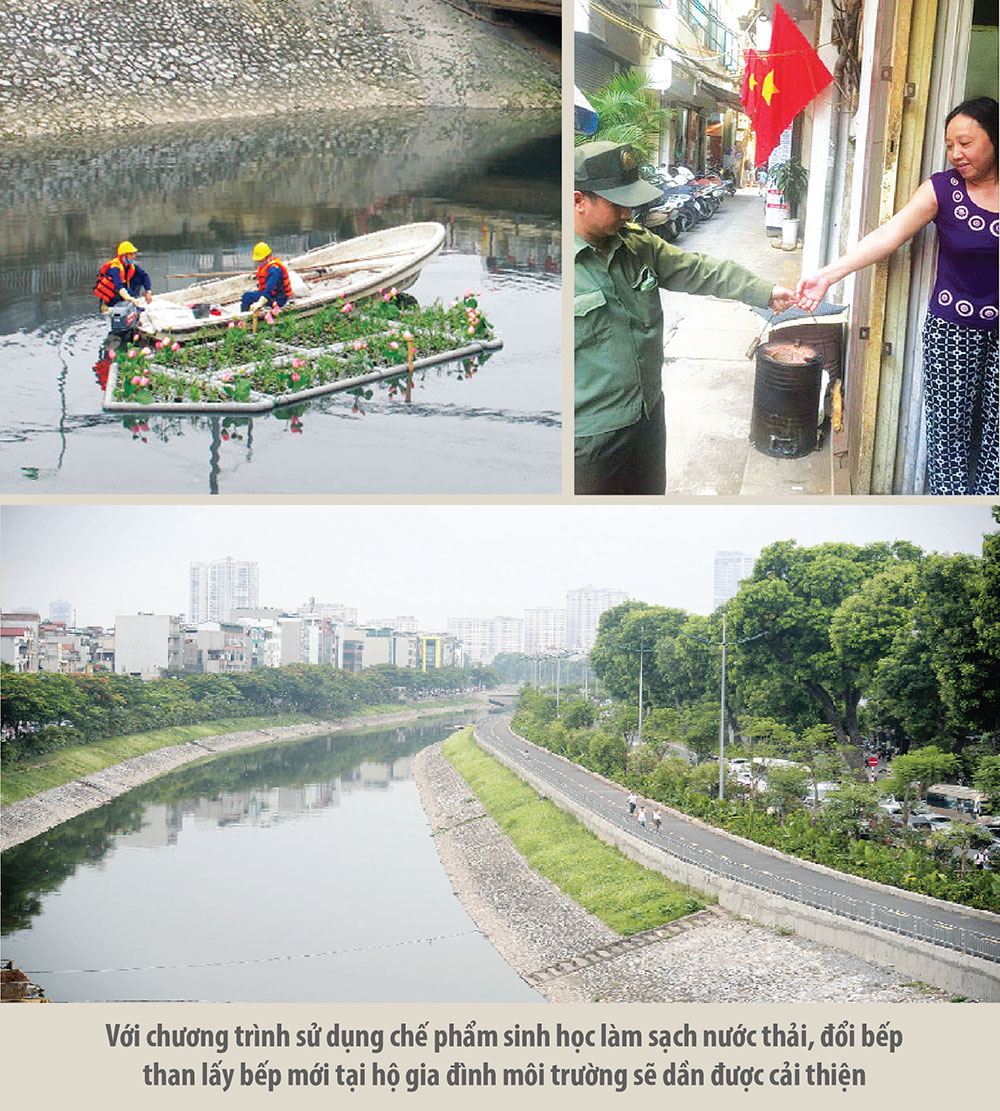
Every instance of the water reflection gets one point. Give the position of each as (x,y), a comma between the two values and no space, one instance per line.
(296,872)
(197,198)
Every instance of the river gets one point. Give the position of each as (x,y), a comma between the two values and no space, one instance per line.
(300,872)
(194,199)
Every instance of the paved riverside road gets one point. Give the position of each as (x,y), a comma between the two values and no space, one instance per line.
(953,927)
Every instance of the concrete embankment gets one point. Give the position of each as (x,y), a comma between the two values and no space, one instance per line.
(20,821)
(953,971)
(80,65)
(569,956)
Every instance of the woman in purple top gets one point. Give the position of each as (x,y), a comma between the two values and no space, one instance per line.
(961,376)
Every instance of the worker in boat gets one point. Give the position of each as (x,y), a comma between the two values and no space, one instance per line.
(274,286)
(120,279)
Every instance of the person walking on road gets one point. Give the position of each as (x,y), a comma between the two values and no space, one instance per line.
(657,818)
(641,817)
(960,366)
(632,800)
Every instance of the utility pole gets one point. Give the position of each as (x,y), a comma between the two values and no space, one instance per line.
(722,696)
(722,715)
(642,650)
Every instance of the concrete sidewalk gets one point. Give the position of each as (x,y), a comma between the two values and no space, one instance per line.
(708,380)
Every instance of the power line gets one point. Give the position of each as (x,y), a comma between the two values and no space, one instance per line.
(257,960)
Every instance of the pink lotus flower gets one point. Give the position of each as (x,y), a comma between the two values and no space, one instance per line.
(393,345)
(144,381)
(175,346)
(132,353)
(159,344)
(269,317)
(471,331)
(296,376)
(136,379)
(146,352)
(227,376)
(407,335)
(360,344)
(298,362)
(231,324)
(347,308)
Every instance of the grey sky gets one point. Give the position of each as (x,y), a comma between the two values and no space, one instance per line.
(431,561)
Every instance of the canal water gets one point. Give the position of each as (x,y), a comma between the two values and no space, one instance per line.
(303,872)
(195,199)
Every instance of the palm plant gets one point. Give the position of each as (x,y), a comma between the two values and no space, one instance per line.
(629,112)
(791,178)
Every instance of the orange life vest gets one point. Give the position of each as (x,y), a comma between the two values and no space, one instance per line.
(286,282)
(105,288)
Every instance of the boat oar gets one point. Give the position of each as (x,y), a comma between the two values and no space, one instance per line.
(210,274)
(317,273)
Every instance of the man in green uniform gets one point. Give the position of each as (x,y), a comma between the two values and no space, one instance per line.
(620,268)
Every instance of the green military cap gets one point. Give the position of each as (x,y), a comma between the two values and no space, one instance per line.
(611,170)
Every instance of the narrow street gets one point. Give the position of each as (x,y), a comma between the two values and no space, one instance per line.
(708,380)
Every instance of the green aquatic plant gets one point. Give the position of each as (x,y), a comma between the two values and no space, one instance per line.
(288,354)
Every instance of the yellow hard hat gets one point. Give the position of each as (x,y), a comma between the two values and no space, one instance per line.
(260,250)
(127,247)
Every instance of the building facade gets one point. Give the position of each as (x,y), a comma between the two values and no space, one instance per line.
(147,643)
(584,607)
(219,587)
(544,629)
(731,568)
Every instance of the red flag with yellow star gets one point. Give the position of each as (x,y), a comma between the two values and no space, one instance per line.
(752,77)
(792,76)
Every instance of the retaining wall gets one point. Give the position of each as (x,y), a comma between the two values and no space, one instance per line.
(79,65)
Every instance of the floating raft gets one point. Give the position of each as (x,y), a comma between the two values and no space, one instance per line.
(281,364)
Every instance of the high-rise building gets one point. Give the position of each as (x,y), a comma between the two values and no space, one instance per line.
(475,636)
(484,638)
(220,586)
(333,611)
(730,569)
(61,612)
(544,629)
(402,624)
(584,607)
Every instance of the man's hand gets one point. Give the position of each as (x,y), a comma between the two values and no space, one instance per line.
(258,304)
(149,297)
(781,298)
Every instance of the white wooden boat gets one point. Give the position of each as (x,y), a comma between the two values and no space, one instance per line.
(352,269)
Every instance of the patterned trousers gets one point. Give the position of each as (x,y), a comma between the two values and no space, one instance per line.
(962,406)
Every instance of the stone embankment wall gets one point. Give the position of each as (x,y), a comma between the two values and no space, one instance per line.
(78,65)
